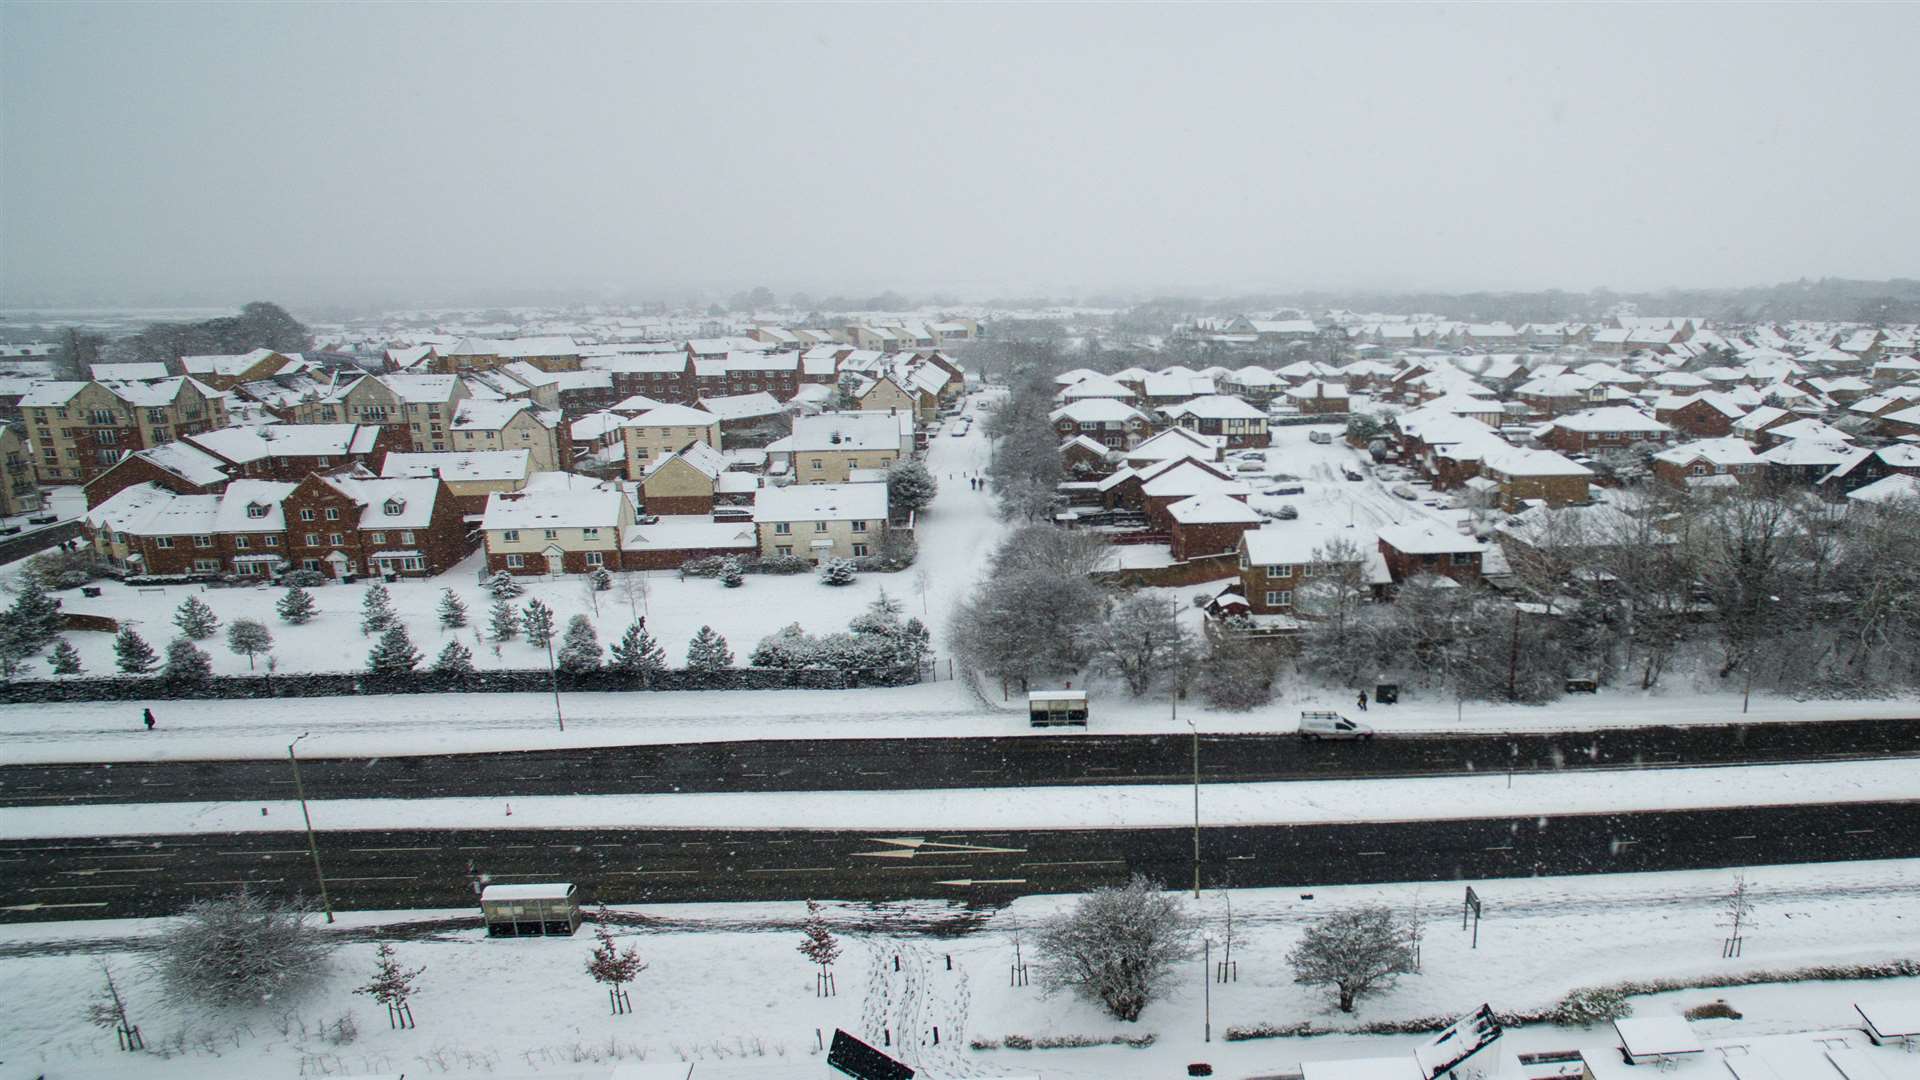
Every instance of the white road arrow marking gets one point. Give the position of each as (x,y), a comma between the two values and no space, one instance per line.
(48,907)
(965,882)
(909,846)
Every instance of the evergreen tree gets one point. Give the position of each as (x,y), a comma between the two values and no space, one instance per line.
(637,652)
(503,620)
(186,662)
(910,487)
(730,575)
(818,943)
(612,968)
(132,652)
(453,610)
(837,572)
(580,646)
(537,621)
(297,606)
(392,986)
(34,616)
(65,659)
(376,610)
(707,652)
(394,653)
(195,619)
(455,659)
(503,586)
(602,580)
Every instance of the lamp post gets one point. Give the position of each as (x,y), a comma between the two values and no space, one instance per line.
(1206,987)
(1196,808)
(553,677)
(313,848)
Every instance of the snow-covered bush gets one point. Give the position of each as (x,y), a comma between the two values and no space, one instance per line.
(1590,1005)
(186,663)
(240,949)
(1117,946)
(195,619)
(837,572)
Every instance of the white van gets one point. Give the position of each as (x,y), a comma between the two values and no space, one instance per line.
(1331,725)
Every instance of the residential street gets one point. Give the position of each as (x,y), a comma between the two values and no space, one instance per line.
(144,876)
(875,764)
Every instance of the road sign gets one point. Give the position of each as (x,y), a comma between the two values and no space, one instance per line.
(862,1062)
(1472,906)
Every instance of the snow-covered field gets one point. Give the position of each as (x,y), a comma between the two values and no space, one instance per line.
(725,983)
(1298,802)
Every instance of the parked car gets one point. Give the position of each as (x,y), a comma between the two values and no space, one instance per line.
(1249,466)
(1352,473)
(1324,438)
(1404,492)
(1287,487)
(1286,513)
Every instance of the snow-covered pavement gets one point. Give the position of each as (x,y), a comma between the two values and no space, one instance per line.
(1091,807)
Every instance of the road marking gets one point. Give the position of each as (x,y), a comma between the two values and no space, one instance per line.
(92,870)
(909,846)
(796,870)
(1506,847)
(398,877)
(289,851)
(1080,862)
(965,882)
(79,888)
(1749,836)
(253,881)
(371,849)
(931,866)
(1857,832)
(49,907)
(653,873)
(1373,853)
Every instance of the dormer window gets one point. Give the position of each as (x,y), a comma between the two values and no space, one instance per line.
(395,507)
(255,510)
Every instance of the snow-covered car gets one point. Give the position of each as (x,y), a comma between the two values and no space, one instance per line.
(1402,491)
(1324,438)
(1352,473)
(1249,466)
(1286,487)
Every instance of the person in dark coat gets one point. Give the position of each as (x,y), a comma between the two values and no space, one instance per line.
(1363,701)
(147,714)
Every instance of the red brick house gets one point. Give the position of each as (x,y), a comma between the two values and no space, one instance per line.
(1211,524)
(175,466)
(1710,415)
(293,452)
(665,377)
(1239,423)
(1108,422)
(356,524)
(1708,463)
(1413,550)
(1610,431)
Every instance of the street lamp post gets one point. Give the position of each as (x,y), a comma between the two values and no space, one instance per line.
(1196,808)
(553,677)
(313,847)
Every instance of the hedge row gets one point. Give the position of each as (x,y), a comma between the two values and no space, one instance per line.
(338,684)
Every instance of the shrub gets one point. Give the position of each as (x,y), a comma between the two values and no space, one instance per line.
(1592,1005)
(837,572)
(240,949)
(306,579)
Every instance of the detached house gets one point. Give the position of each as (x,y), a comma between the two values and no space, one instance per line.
(1413,550)
(1708,463)
(1239,423)
(1611,431)
(1108,422)
(1277,561)
(552,530)
(684,482)
(821,521)
(826,449)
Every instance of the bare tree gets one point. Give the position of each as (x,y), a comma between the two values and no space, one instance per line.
(1117,946)
(1736,914)
(1356,951)
(1140,639)
(240,949)
(108,1009)
(610,966)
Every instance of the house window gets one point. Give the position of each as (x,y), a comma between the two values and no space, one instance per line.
(255,510)
(394,507)
(242,542)
(1280,571)
(590,532)
(550,534)
(859,526)
(309,564)
(509,536)
(859,551)
(816,463)
(313,539)
(333,513)
(377,538)
(515,562)
(272,541)
(306,515)
(406,536)
(334,539)
(595,558)
(1463,558)
(160,542)
(782,528)
(1279,598)
(783,549)
(203,541)
(819,526)
(206,566)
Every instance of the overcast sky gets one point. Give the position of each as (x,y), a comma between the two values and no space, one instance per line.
(432,153)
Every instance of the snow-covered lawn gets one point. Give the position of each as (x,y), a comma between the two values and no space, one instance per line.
(1297,802)
(726,980)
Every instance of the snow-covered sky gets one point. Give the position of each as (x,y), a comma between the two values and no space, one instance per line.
(397,152)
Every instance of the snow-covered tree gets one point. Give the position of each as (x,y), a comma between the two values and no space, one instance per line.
(601,579)
(537,621)
(108,1010)
(580,646)
(376,610)
(392,986)
(612,967)
(818,944)
(195,619)
(240,949)
(1140,640)
(504,586)
(1029,615)
(1736,914)
(707,652)
(186,662)
(455,659)
(132,652)
(837,572)
(788,648)
(910,487)
(247,637)
(65,659)
(637,652)
(296,606)
(394,653)
(1356,951)
(1236,673)
(453,610)
(34,617)
(1117,946)
(503,621)
(731,575)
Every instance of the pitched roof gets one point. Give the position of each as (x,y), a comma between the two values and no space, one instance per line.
(821,502)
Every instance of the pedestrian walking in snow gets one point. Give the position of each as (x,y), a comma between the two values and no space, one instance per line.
(147,715)
(1363,701)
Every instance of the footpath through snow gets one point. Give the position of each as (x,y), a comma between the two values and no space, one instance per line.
(1119,806)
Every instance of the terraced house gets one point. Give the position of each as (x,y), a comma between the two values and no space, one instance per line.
(77,430)
(419,406)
